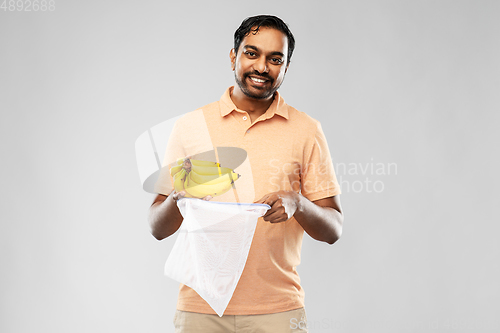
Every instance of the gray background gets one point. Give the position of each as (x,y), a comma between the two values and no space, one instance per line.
(415,83)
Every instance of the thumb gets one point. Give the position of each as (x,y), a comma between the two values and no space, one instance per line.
(261,200)
(178,195)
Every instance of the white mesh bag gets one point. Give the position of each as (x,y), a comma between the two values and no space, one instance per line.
(212,247)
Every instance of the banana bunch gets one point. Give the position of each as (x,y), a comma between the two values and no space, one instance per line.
(201,179)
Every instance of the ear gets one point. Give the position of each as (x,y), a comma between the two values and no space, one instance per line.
(232,56)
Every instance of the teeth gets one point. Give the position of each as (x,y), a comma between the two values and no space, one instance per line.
(257,80)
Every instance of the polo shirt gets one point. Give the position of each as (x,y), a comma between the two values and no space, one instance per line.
(286,150)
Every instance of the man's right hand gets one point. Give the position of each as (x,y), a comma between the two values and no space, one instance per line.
(178,195)
(164,215)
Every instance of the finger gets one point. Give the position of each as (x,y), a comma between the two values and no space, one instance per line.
(276,214)
(270,200)
(276,217)
(178,195)
(265,216)
(274,209)
(275,204)
(270,210)
(262,200)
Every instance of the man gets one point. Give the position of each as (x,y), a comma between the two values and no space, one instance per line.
(303,194)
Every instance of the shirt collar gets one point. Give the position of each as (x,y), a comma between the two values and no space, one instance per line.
(278,106)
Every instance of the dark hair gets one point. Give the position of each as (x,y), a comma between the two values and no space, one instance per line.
(263,21)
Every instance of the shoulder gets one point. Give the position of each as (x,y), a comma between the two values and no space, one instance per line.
(302,120)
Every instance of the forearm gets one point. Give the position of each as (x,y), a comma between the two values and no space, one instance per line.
(164,218)
(321,223)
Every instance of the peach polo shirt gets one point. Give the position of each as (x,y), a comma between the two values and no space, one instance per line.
(287,150)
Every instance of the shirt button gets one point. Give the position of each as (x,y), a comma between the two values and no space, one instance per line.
(244,117)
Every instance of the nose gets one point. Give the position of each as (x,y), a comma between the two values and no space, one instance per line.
(260,65)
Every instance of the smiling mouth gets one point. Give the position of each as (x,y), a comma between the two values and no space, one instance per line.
(257,80)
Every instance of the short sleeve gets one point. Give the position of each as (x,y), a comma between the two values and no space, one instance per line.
(175,150)
(318,179)
(189,137)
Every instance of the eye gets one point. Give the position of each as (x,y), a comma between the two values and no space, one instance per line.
(250,53)
(277,60)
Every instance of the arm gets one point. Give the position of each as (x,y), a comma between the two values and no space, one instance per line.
(321,219)
(164,216)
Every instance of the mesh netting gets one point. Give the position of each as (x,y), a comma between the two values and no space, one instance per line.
(212,247)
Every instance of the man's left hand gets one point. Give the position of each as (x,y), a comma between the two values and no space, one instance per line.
(283,205)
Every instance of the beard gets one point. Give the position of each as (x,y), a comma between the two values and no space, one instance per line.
(263,93)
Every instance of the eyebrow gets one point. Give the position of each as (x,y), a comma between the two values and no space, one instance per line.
(257,49)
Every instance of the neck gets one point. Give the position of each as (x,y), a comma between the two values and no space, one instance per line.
(254,107)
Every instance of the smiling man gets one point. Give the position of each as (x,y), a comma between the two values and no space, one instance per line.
(261,65)
(292,172)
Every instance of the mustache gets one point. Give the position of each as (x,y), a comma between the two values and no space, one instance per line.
(262,75)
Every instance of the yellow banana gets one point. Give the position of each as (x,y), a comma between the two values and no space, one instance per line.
(180,161)
(186,185)
(204,163)
(175,169)
(179,180)
(211,170)
(202,190)
(212,179)
(202,178)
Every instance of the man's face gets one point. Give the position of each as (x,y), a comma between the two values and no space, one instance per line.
(261,63)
